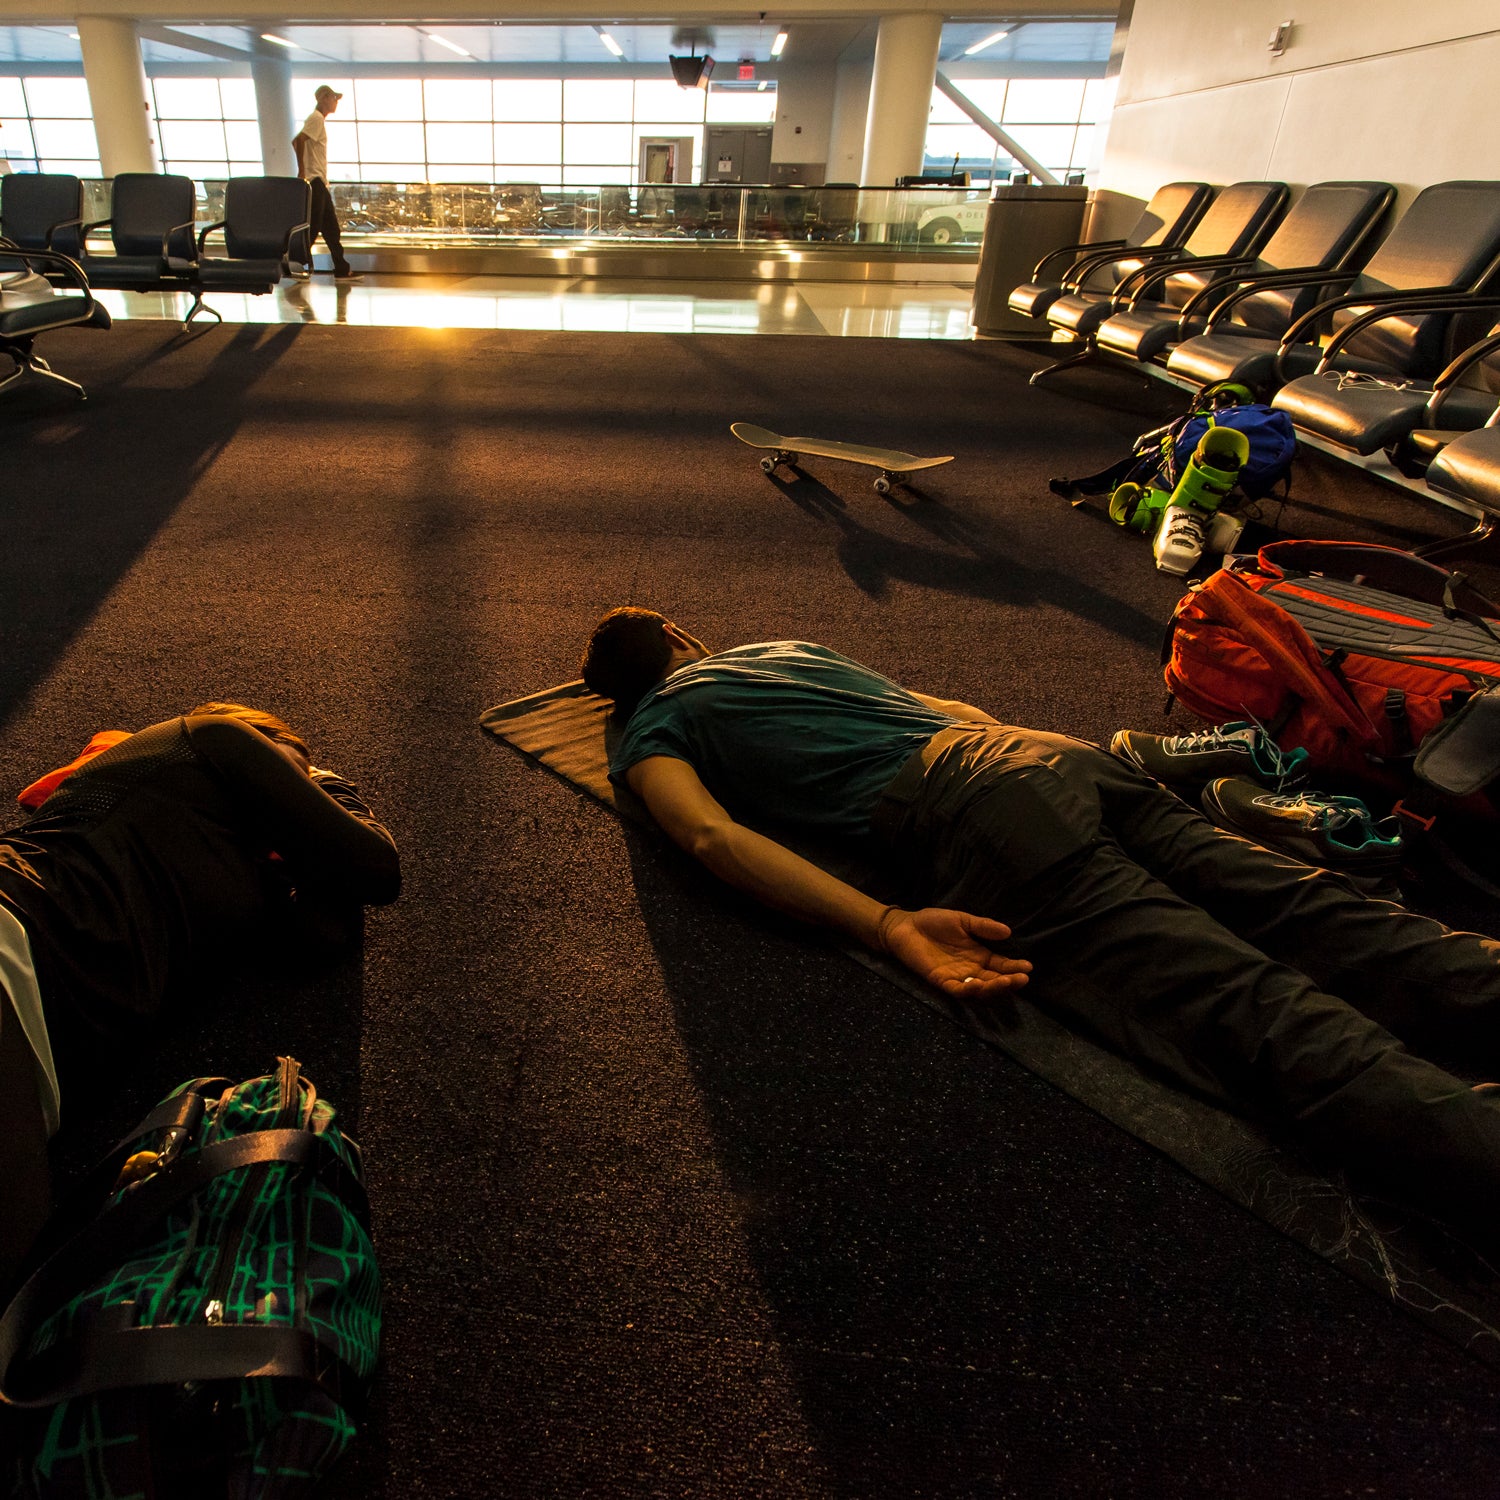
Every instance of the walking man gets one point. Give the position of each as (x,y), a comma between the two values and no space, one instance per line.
(311,146)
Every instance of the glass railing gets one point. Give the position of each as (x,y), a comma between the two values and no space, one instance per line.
(431,215)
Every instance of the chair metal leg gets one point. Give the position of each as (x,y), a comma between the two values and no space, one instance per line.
(1083,356)
(199,305)
(1477,540)
(27,362)
(42,368)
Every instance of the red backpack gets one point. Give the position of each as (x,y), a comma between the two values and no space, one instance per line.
(1355,653)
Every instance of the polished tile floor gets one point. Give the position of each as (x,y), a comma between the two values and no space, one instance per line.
(839,309)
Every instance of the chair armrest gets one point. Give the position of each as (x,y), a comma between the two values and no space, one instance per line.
(88,229)
(1391,301)
(1379,307)
(291,234)
(208,231)
(65,224)
(1453,302)
(166,240)
(1306,276)
(1138,283)
(1448,380)
(1085,267)
(64,263)
(1073,250)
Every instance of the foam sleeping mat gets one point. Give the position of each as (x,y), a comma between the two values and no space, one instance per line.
(569,731)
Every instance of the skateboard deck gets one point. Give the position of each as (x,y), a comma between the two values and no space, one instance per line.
(895,467)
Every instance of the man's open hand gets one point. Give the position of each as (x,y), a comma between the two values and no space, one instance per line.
(953,950)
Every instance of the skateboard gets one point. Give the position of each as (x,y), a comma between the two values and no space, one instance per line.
(895,468)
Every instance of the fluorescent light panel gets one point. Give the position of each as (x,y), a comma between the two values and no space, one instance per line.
(778,45)
(610,42)
(989,41)
(443,41)
(280,41)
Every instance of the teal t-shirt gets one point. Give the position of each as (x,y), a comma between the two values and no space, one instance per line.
(783,731)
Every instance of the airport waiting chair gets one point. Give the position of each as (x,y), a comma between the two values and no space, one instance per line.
(42,211)
(151,223)
(263,216)
(1331,228)
(1165,222)
(30,305)
(1467,469)
(1366,413)
(1446,242)
(1232,228)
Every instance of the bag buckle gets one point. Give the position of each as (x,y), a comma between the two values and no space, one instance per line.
(1401,810)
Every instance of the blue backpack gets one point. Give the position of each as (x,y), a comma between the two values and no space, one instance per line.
(1158,456)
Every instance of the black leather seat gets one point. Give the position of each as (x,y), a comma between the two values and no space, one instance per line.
(42,211)
(1447,241)
(262,216)
(30,306)
(1468,469)
(1329,228)
(150,224)
(1165,222)
(1367,413)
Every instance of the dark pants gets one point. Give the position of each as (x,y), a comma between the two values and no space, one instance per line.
(325,222)
(1242,974)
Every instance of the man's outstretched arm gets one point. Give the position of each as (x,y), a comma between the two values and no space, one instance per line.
(949,949)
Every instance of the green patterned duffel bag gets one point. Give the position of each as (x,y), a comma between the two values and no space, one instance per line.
(212,1329)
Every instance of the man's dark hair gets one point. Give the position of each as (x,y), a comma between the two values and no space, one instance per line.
(626,656)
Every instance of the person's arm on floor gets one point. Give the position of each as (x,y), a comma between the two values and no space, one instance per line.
(953,708)
(949,949)
(328,838)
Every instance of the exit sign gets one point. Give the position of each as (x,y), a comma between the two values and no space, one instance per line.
(747,71)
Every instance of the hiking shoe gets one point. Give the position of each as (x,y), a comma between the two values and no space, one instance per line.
(1238,749)
(1336,832)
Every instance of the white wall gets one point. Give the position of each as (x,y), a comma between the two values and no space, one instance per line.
(1393,90)
(804,111)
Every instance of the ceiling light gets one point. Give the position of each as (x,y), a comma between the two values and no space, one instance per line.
(778,44)
(610,42)
(989,41)
(443,41)
(280,41)
(760,87)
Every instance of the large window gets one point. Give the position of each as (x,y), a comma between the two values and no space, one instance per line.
(207,128)
(46,125)
(572,131)
(1053,119)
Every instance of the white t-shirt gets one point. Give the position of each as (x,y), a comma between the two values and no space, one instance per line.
(18,982)
(315,147)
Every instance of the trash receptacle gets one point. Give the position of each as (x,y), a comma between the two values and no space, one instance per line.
(1023,223)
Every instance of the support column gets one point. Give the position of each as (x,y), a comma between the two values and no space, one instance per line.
(273,108)
(906,56)
(118,95)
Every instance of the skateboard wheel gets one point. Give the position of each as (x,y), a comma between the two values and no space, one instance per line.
(882,486)
(768,466)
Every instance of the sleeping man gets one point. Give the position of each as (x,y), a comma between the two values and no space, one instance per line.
(1238,973)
